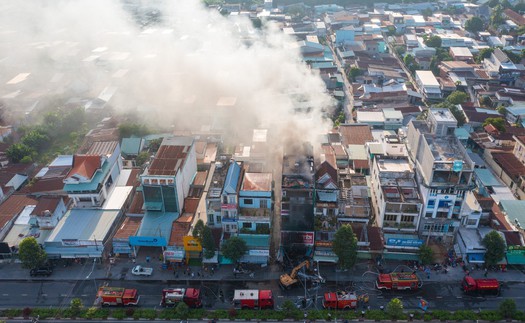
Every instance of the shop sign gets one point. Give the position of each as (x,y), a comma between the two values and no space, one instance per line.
(191,244)
(262,253)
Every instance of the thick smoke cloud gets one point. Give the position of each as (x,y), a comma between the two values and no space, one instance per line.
(194,70)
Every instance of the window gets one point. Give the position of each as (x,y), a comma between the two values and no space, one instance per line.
(407,219)
(390,217)
(248,201)
(431,204)
(232,200)
(472,222)
(218,218)
(263,204)
(429,214)
(246,225)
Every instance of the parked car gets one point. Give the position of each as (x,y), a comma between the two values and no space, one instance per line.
(142,271)
(41,271)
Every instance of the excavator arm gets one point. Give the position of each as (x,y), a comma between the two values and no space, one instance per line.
(288,280)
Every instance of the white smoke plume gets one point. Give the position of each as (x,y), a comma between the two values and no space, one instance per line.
(193,69)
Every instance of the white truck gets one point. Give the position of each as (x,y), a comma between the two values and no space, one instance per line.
(141,271)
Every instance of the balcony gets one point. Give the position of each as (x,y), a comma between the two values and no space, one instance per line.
(257,213)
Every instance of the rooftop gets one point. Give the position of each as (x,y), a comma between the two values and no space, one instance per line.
(129,227)
(84,224)
(355,134)
(102,148)
(257,182)
(85,166)
(170,157)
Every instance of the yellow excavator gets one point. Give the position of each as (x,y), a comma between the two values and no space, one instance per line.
(288,281)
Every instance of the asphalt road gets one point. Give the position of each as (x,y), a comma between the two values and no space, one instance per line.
(442,295)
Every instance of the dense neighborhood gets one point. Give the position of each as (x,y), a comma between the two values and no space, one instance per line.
(423,163)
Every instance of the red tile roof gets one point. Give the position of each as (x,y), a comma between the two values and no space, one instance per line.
(501,220)
(355,134)
(168,160)
(510,164)
(84,165)
(514,16)
(129,227)
(191,204)
(257,182)
(136,204)
(13,206)
(46,204)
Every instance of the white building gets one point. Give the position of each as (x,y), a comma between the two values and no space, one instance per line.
(428,85)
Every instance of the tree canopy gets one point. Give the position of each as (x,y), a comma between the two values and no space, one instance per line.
(457,97)
(498,123)
(208,244)
(198,229)
(507,308)
(31,253)
(426,254)
(17,152)
(234,248)
(484,53)
(433,41)
(495,246)
(130,129)
(394,308)
(474,25)
(345,246)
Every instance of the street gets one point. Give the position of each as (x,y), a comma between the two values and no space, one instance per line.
(440,295)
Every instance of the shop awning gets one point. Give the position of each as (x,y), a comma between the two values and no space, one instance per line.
(476,258)
(400,256)
(331,259)
(212,260)
(518,259)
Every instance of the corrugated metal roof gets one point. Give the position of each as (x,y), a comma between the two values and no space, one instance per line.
(256,240)
(157,224)
(84,224)
(232,178)
(131,146)
(487,178)
(102,148)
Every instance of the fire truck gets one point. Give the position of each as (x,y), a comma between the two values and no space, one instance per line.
(340,300)
(487,285)
(189,296)
(398,281)
(114,296)
(252,298)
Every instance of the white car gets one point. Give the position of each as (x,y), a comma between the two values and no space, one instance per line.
(141,271)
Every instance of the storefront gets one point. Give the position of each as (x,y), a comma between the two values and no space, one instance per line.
(258,248)
(192,248)
(401,246)
(174,255)
(516,255)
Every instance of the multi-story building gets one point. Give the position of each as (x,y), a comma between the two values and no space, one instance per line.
(230,197)
(297,202)
(395,195)
(444,172)
(166,182)
(428,85)
(93,174)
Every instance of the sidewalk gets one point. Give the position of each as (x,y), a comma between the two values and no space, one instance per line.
(363,271)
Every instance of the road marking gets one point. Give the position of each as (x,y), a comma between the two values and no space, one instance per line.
(63,295)
(280,296)
(439,296)
(84,295)
(5,294)
(459,296)
(23,294)
(45,295)
(380,297)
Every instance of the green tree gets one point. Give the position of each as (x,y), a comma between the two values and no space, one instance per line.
(496,17)
(391,31)
(400,50)
(495,246)
(457,97)
(31,253)
(36,139)
(182,310)
(17,152)
(484,53)
(353,73)
(75,306)
(394,309)
(507,308)
(520,7)
(289,309)
(493,3)
(474,25)
(234,248)
(433,41)
(208,244)
(515,58)
(498,123)
(426,254)
(502,110)
(154,144)
(345,246)
(142,158)
(198,229)
(127,130)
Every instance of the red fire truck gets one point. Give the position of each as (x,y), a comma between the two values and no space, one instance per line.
(173,296)
(340,300)
(113,296)
(480,286)
(398,281)
(252,298)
